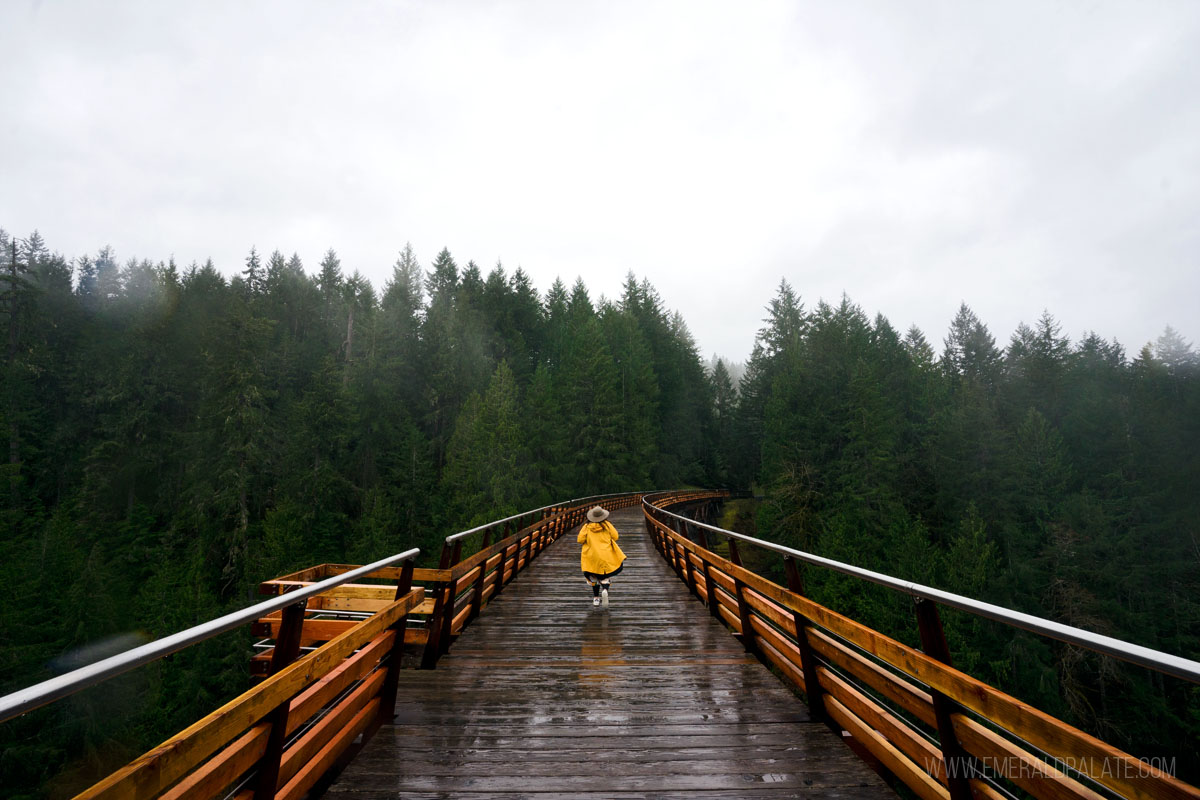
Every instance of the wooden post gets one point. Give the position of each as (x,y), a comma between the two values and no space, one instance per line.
(677,560)
(287,647)
(500,565)
(958,762)
(710,587)
(448,615)
(516,560)
(387,695)
(808,659)
(734,555)
(691,573)
(477,590)
(444,561)
(446,597)
(744,614)
(433,624)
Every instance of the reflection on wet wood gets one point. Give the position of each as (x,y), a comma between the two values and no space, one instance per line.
(547,694)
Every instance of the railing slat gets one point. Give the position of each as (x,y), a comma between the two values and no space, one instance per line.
(919,749)
(287,647)
(1010,760)
(917,779)
(321,763)
(757,610)
(159,768)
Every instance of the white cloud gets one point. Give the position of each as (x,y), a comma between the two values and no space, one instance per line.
(1015,157)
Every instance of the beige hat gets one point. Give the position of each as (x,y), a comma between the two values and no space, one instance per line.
(597,514)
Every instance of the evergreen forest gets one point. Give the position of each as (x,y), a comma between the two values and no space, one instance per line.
(174,436)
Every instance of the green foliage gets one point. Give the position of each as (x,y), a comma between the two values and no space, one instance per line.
(173,438)
(487,466)
(1052,479)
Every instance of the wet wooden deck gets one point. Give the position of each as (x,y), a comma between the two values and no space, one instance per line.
(546,695)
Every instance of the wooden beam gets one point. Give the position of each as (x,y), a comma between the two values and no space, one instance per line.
(311,772)
(917,779)
(287,647)
(159,768)
(1104,763)
(933,642)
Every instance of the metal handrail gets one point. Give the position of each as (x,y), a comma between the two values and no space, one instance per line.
(456,536)
(1166,663)
(40,694)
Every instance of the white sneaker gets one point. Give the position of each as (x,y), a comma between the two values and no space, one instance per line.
(604,597)
(596,600)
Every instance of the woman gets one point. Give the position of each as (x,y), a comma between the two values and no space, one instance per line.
(601,558)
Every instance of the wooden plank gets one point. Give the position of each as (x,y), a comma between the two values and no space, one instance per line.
(320,734)
(328,755)
(487,553)
(728,614)
(460,618)
(1106,764)
(216,774)
(781,662)
(321,693)
(1017,765)
(425,608)
(777,614)
(361,590)
(159,768)
(261,662)
(546,695)
(904,694)
(722,578)
(786,648)
(919,749)
(323,603)
(308,575)
(312,575)
(314,630)
(463,582)
(915,778)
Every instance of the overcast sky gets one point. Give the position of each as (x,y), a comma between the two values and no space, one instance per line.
(914,155)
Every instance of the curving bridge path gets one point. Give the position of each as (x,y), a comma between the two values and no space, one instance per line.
(546,695)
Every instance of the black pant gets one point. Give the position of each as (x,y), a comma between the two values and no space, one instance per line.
(596,579)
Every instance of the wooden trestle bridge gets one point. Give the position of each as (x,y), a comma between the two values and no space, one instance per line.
(494,676)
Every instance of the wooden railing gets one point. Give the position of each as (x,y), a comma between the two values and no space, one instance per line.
(942,732)
(331,648)
(455,593)
(279,738)
(467,583)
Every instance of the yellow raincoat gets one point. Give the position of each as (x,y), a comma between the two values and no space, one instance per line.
(600,552)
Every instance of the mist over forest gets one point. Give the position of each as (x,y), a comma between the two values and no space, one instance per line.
(174,437)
